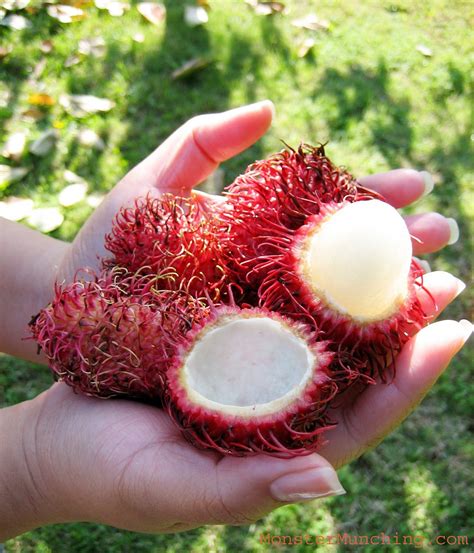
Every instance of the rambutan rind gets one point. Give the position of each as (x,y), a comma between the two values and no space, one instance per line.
(288,425)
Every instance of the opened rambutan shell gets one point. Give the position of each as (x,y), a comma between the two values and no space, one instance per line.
(353,280)
(247,381)
(115,334)
(173,238)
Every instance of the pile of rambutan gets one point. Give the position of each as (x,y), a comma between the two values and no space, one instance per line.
(249,319)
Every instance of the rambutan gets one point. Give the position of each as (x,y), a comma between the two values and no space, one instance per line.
(313,244)
(248,380)
(172,237)
(114,334)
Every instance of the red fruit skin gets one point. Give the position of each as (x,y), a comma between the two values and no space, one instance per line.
(271,209)
(296,430)
(114,335)
(172,237)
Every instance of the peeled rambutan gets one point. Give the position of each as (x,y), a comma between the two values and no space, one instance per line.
(315,245)
(114,334)
(172,237)
(248,380)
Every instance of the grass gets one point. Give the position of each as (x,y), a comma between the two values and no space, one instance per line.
(379,102)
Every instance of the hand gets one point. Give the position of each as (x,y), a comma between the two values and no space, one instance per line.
(125,464)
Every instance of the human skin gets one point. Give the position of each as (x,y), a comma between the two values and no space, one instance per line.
(65,457)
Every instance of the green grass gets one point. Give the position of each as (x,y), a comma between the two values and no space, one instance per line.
(379,102)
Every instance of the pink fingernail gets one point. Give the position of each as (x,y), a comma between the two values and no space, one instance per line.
(428,183)
(306,485)
(467,327)
(454,231)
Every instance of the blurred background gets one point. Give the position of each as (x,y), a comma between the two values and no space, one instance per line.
(88,88)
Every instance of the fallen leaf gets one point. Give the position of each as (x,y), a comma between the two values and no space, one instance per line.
(72,194)
(44,143)
(116,9)
(66,14)
(72,60)
(14,146)
(153,12)
(32,114)
(11,5)
(11,174)
(195,15)
(46,219)
(41,99)
(90,139)
(94,200)
(15,22)
(424,50)
(16,209)
(72,178)
(266,8)
(46,46)
(305,47)
(311,22)
(92,47)
(5,51)
(80,105)
(190,68)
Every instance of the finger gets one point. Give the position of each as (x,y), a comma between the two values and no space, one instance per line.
(438,291)
(194,151)
(431,231)
(382,407)
(399,187)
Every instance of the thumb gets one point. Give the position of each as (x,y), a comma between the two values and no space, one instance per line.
(250,488)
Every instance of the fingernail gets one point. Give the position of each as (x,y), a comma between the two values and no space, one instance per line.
(272,107)
(461,286)
(307,485)
(428,183)
(467,327)
(454,231)
(423,264)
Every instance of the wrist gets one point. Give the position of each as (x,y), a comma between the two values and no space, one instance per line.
(24,503)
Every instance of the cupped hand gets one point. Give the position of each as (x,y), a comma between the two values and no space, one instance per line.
(125,464)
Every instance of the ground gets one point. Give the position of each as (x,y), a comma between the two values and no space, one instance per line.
(387,85)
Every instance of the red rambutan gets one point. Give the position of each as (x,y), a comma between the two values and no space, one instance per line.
(172,237)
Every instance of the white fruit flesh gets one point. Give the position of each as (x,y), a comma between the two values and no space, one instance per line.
(248,366)
(358,261)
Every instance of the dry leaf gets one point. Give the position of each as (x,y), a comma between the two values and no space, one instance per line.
(16,209)
(72,60)
(116,9)
(424,50)
(44,143)
(11,174)
(94,200)
(15,22)
(311,22)
(266,8)
(80,105)
(5,51)
(72,178)
(46,219)
(32,114)
(41,99)
(46,46)
(11,5)
(190,68)
(66,14)
(305,47)
(195,15)
(92,47)
(90,139)
(14,146)
(153,12)
(72,194)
